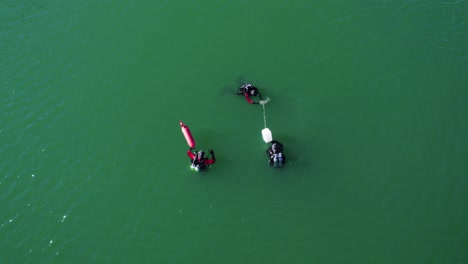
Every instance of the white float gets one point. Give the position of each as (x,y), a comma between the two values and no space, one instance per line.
(266,134)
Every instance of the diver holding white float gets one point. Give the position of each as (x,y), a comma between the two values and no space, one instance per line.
(276,157)
(248,90)
(198,159)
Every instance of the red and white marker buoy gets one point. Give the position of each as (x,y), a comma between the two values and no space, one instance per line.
(187,134)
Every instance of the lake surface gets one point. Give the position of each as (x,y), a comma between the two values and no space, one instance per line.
(368,97)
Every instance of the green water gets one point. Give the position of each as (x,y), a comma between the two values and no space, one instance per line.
(368,97)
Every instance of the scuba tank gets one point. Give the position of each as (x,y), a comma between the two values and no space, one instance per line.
(198,162)
(278,160)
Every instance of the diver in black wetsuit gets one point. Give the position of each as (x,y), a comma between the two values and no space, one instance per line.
(248,90)
(275,154)
(199,161)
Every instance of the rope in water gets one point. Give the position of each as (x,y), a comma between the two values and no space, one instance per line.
(263,103)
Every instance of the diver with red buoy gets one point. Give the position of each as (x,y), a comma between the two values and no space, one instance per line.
(248,91)
(198,159)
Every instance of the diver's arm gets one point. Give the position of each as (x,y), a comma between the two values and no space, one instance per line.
(249,100)
(213,158)
(190,154)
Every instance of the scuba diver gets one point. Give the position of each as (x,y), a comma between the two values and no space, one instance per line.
(199,161)
(275,154)
(248,90)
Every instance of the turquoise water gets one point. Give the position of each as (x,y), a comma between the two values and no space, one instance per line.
(368,98)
